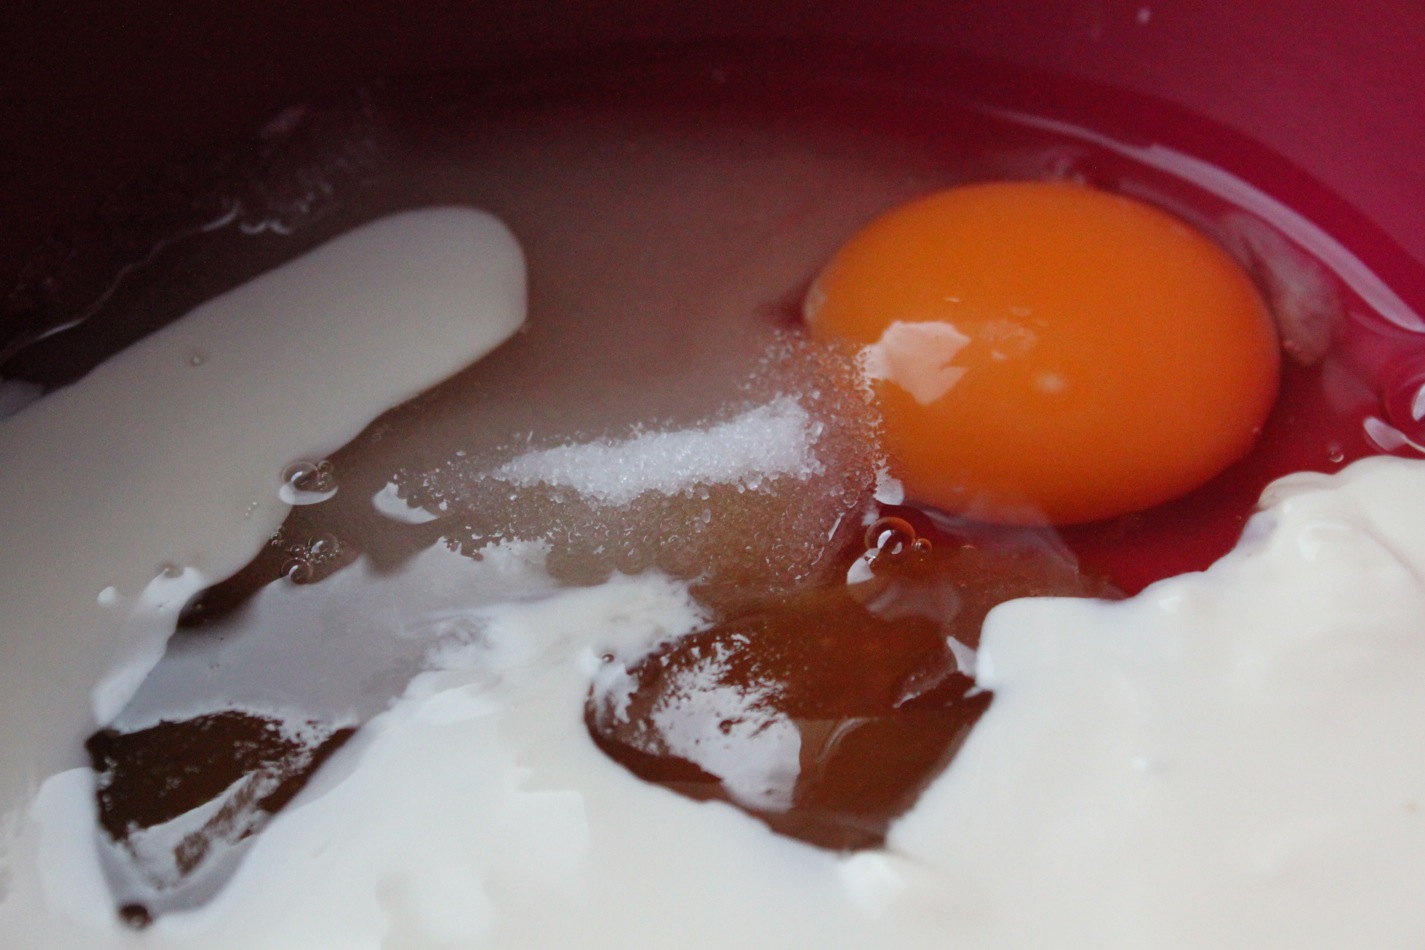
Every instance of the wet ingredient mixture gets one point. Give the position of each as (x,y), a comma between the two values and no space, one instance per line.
(642,630)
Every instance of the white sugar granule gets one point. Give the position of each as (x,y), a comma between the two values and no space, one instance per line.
(771,440)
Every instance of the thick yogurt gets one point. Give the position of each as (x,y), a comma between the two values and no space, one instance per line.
(1231,758)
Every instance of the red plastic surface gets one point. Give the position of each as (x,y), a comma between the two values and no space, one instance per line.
(93,92)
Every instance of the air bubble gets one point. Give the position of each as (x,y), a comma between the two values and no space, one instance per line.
(323,547)
(1335,454)
(307,483)
(891,536)
(297,570)
(170,570)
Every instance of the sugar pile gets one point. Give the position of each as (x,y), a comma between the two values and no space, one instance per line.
(765,442)
(750,500)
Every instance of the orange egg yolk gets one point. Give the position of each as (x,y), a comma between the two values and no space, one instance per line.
(1049,352)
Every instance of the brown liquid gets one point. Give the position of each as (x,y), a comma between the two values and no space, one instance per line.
(152,776)
(864,672)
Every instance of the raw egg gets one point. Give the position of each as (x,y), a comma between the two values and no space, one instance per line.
(1050,352)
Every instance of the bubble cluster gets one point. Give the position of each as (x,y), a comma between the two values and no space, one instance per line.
(307,560)
(307,483)
(892,537)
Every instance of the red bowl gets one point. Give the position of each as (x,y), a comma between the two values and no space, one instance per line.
(94,92)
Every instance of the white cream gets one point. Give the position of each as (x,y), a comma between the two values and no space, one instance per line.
(388,501)
(158,457)
(1233,758)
